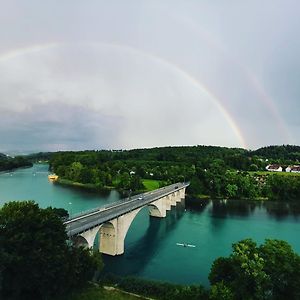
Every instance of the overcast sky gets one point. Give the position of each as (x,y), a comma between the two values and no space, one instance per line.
(131,74)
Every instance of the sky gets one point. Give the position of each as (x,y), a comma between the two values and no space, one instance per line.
(78,75)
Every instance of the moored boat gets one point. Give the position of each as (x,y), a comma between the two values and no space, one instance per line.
(52,177)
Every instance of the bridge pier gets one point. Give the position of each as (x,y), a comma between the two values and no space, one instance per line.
(168,202)
(158,208)
(173,200)
(113,233)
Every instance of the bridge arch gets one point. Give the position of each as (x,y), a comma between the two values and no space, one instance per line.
(79,241)
(159,207)
(155,211)
(113,233)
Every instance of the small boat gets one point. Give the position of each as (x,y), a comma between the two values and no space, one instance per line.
(52,177)
(185,245)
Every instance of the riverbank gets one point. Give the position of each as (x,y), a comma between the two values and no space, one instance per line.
(95,292)
(197,198)
(85,186)
(8,170)
(149,184)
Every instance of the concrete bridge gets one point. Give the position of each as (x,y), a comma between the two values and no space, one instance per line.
(113,221)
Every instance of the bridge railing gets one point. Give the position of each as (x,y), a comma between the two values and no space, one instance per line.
(121,201)
(99,208)
(83,212)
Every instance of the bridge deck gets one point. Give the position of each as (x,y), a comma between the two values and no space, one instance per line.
(103,214)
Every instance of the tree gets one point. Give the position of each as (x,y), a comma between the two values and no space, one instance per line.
(270,271)
(35,260)
(283,266)
(231,190)
(74,171)
(220,291)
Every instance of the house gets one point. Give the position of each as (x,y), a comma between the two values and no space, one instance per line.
(274,168)
(293,169)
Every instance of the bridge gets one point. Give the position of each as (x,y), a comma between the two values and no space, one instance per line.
(113,221)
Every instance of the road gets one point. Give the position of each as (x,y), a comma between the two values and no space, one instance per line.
(103,214)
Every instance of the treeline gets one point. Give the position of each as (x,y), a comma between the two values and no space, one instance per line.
(156,289)
(212,171)
(283,154)
(170,164)
(9,163)
(40,156)
(217,182)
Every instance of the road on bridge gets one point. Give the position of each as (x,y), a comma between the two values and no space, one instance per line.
(103,214)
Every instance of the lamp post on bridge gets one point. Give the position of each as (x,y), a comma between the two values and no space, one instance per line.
(70,215)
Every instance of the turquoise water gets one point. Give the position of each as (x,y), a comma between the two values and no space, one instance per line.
(32,184)
(150,245)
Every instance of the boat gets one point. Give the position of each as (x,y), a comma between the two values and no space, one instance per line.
(52,177)
(186,245)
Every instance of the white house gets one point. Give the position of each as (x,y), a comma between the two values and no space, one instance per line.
(293,169)
(274,168)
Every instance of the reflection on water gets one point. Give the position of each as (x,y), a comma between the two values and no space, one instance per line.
(281,210)
(141,247)
(224,208)
(228,208)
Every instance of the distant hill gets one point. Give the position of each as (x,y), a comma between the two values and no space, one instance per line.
(284,152)
(2,156)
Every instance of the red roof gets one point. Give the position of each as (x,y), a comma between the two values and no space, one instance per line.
(295,168)
(273,167)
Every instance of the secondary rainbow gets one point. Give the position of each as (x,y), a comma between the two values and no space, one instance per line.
(249,75)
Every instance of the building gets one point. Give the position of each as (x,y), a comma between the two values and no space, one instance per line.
(274,168)
(293,169)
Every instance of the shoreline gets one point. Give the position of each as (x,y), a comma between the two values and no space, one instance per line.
(14,169)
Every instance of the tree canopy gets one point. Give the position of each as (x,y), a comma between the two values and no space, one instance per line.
(268,271)
(36,261)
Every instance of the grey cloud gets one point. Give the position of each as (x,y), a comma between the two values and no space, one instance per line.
(227,46)
(60,125)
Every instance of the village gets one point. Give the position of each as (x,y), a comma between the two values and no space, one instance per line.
(279,168)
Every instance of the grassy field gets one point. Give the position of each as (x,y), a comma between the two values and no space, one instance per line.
(150,184)
(100,293)
(264,173)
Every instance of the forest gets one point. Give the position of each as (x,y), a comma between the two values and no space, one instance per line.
(216,172)
(8,163)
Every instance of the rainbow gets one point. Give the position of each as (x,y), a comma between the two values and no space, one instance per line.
(192,80)
(26,50)
(248,74)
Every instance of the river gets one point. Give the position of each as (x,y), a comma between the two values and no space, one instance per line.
(150,245)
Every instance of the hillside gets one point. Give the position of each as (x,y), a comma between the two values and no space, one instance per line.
(8,163)
(284,152)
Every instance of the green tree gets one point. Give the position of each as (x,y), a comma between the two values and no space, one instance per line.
(270,271)
(86,175)
(283,266)
(35,260)
(231,190)
(220,291)
(74,171)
